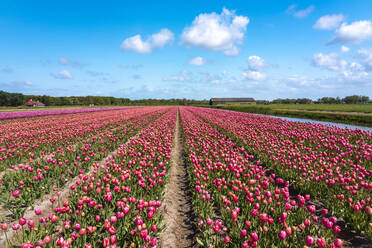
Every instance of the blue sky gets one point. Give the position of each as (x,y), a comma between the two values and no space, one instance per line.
(186,49)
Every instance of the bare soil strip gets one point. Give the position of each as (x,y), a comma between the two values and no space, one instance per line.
(178,214)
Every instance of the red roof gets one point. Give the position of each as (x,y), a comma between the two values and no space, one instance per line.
(32,103)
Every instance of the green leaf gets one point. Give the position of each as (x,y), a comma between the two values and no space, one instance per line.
(199,241)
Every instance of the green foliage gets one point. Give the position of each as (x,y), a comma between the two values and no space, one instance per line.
(17,99)
(292,101)
(11,99)
(354,99)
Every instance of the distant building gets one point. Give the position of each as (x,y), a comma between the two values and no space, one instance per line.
(31,103)
(232,101)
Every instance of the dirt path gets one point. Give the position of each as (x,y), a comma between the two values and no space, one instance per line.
(178,214)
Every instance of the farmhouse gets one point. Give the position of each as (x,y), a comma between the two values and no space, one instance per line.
(231,101)
(31,103)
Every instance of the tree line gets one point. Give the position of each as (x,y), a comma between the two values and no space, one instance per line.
(18,99)
(354,99)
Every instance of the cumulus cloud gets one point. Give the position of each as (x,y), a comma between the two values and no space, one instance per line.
(155,41)
(64,74)
(254,75)
(329,22)
(365,58)
(256,63)
(302,13)
(353,33)
(353,71)
(254,72)
(328,61)
(136,44)
(345,49)
(198,61)
(217,32)
(160,39)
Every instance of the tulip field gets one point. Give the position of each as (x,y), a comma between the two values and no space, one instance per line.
(97,178)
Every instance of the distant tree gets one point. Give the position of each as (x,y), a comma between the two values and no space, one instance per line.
(365,99)
(262,102)
(284,101)
(11,99)
(329,100)
(304,101)
(354,99)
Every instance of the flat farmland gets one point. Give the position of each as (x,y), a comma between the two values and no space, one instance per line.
(182,177)
(357,108)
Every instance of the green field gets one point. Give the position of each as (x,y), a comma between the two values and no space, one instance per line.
(361,108)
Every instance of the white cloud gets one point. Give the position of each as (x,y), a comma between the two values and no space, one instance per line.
(255,66)
(216,32)
(329,61)
(136,44)
(156,41)
(365,57)
(64,74)
(256,63)
(353,33)
(198,61)
(159,40)
(354,71)
(329,22)
(346,71)
(344,49)
(292,10)
(253,75)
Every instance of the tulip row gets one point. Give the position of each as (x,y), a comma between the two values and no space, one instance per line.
(22,140)
(19,189)
(117,205)
(29,114)
(239,203)
(331,164)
